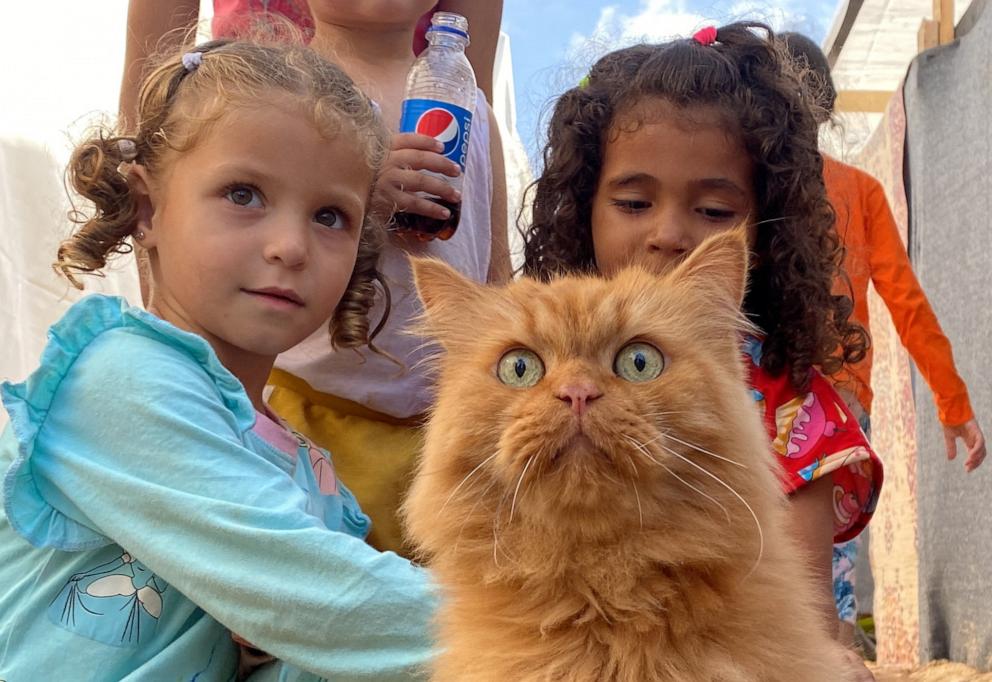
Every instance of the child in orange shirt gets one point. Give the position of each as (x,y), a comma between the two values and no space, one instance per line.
(874,252)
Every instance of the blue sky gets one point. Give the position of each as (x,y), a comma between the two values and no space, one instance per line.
(554,41)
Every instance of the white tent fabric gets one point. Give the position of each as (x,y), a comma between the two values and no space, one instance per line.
(518,171)
(55,82)
(882,42)
(874,56)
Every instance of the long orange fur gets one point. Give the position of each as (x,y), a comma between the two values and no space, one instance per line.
(655,548)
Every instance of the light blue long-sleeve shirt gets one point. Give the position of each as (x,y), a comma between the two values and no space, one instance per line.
(143,519)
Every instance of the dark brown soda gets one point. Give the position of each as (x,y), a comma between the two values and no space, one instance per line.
(427,229)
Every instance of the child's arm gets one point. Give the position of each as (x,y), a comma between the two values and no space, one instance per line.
(500,270)
(831,474)
(918,328)
(148,21)
(484,19)
(143,448)
(811,510)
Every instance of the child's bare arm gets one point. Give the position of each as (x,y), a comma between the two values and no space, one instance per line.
(812,514)
(148,22)
(484,19)
(500,270)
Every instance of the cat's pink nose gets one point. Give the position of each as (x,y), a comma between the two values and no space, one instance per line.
(578,394)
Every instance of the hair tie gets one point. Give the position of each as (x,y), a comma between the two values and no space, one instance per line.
(584,83)
(705,36)
(192,61)
(127,149)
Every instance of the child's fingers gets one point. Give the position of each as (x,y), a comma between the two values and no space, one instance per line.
(974,461)
(412,182)
(974,441)
(401,193)
(976,449)
(415,159)
(411,203)
(415,141)
(950,443)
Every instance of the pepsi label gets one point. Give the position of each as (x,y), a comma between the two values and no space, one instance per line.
(447,123)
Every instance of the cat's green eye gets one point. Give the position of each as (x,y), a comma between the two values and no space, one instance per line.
(639,362)
(520,368)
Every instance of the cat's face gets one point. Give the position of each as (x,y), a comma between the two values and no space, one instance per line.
(590,404)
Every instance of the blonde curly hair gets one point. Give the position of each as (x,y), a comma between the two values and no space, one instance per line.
(175,109)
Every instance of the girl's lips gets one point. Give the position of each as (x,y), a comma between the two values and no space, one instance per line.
(276,295)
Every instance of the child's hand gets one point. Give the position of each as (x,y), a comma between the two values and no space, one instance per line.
(401,180)
(250,657)
(971,433)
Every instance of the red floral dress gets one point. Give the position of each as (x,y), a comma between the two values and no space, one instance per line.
(813,435)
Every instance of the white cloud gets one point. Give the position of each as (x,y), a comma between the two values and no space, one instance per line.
(660,20)
(656,20)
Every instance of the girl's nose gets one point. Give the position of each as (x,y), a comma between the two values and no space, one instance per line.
(287,245)
(669,238)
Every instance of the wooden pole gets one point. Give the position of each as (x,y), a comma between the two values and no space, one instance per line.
(862,101)
(928,34)
(943,14)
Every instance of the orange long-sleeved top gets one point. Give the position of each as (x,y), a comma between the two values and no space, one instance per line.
(875,253)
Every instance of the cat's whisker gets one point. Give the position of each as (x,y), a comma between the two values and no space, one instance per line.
(429,362)
(709,497)
(771,220)
(640,446)
(698,449)
(609,478)
(465,480)
(637,496)
(757,523)
(471,512)
(513,504)
(495,540)
(496,545)
(425,343)
(496,518)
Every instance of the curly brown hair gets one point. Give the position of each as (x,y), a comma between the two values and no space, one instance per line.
(177,106)
(748,78)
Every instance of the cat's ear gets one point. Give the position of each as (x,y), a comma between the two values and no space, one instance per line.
(717,269)
(451,300)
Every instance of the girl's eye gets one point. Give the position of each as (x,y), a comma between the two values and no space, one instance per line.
(718,213)
(331,217)
(631,205)
(638,362)
(243,195)
(520,368)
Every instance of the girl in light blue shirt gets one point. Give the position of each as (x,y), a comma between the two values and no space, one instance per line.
(152,505)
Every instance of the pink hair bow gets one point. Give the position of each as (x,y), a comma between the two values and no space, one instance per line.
(705,36)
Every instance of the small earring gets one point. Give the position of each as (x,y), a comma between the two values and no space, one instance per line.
(139,235)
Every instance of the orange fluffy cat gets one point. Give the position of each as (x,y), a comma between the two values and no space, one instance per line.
(597,497)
